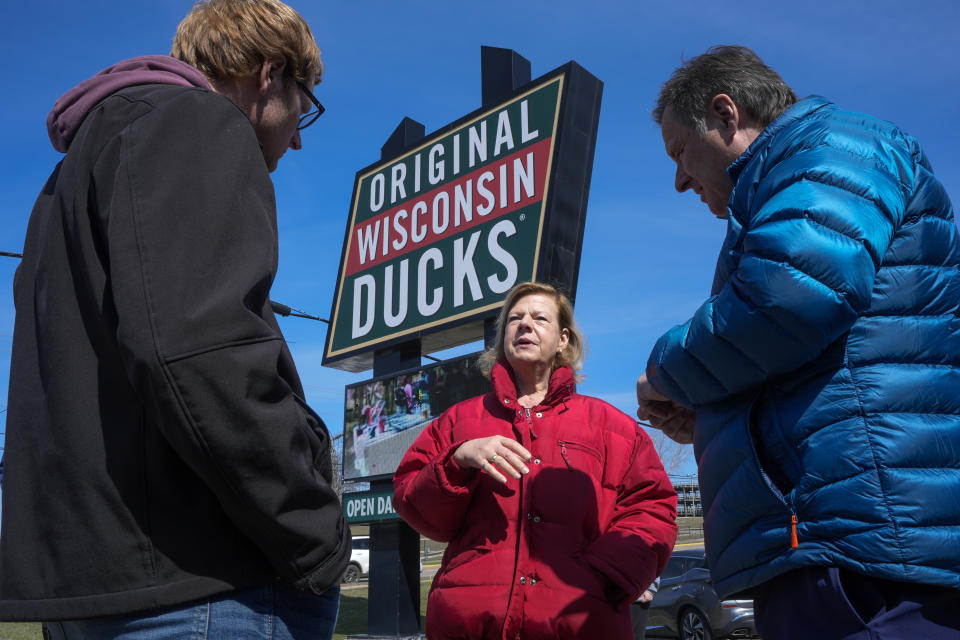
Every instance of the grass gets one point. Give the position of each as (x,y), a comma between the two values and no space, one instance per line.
(351,621)
(20,631)
(353,610)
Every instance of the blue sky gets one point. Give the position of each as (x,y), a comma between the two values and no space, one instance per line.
(648,252)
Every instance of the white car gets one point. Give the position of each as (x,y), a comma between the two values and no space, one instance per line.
(359,560)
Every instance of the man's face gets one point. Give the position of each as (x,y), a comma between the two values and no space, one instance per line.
(702,160)
(276,123)
(274,102)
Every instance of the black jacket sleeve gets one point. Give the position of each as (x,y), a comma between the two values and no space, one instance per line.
(188,217)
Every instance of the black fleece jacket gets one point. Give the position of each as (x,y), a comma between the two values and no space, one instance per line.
(158,447)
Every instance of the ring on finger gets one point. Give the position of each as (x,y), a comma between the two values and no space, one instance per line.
(494,457)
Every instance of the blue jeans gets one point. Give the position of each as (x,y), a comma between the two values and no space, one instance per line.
(270,612)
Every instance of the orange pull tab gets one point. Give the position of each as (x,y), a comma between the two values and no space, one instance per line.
(794,543)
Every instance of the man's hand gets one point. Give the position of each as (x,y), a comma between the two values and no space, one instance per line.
(662,413)
(493,454)
(678,426)
(645,597)
(651,402)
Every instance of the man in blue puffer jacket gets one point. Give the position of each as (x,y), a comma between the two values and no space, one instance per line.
(820,382)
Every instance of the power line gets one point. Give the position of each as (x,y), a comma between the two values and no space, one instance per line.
(284,310)
(278,308)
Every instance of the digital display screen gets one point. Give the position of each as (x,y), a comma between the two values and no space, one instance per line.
(382,417)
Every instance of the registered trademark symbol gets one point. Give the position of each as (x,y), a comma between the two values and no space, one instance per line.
(523,217)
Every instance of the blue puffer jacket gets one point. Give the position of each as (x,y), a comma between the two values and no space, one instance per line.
(825,368)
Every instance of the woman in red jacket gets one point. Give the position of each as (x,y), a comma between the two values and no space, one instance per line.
(555,505)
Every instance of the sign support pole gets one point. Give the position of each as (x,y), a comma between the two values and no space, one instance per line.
(502,72)
(393,607)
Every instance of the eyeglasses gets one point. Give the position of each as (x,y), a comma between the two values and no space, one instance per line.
(308,119)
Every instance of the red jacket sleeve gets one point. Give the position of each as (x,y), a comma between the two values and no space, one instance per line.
(431,492)
(635,548)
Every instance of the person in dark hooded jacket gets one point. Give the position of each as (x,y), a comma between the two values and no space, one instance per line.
(164,474)
(556,507)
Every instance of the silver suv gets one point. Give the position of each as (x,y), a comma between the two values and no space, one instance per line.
(687,606)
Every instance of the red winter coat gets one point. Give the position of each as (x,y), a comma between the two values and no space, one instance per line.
(558,554)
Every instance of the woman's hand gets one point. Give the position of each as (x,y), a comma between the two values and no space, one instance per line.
(493,454)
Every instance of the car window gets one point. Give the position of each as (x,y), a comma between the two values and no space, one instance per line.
(361,544)
(674,568)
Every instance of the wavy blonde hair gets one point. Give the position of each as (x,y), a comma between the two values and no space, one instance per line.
(575,351)
(228,39)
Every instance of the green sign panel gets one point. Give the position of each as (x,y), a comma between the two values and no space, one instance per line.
(444,231)
(369,506)
(438,235)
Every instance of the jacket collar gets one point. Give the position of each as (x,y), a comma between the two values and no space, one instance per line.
(562,385)
(797,111)
(758,150)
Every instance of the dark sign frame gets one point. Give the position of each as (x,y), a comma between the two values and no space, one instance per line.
(564,216)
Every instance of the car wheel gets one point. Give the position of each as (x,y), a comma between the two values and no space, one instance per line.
(694,626)
(352,573)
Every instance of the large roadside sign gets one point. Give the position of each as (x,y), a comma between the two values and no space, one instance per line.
(437,236)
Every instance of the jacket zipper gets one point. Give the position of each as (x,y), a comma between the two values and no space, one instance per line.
(794,521)
(579,447)
(563,452)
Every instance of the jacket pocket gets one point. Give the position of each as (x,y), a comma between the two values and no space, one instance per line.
(771,448)
(759,463)
(745,516)
(572,453)
(318,438)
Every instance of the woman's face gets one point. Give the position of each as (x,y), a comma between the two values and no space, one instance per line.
(533,335)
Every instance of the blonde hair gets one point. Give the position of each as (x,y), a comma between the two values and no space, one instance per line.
(572,355)
(228,39)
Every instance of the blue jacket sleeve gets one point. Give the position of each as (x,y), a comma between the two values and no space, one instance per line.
(820,223)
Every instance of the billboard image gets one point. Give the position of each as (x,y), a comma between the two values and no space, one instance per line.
(383,417)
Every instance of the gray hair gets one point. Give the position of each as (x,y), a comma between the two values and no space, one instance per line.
(733,70)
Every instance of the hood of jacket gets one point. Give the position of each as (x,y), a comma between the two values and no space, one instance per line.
(70,110)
